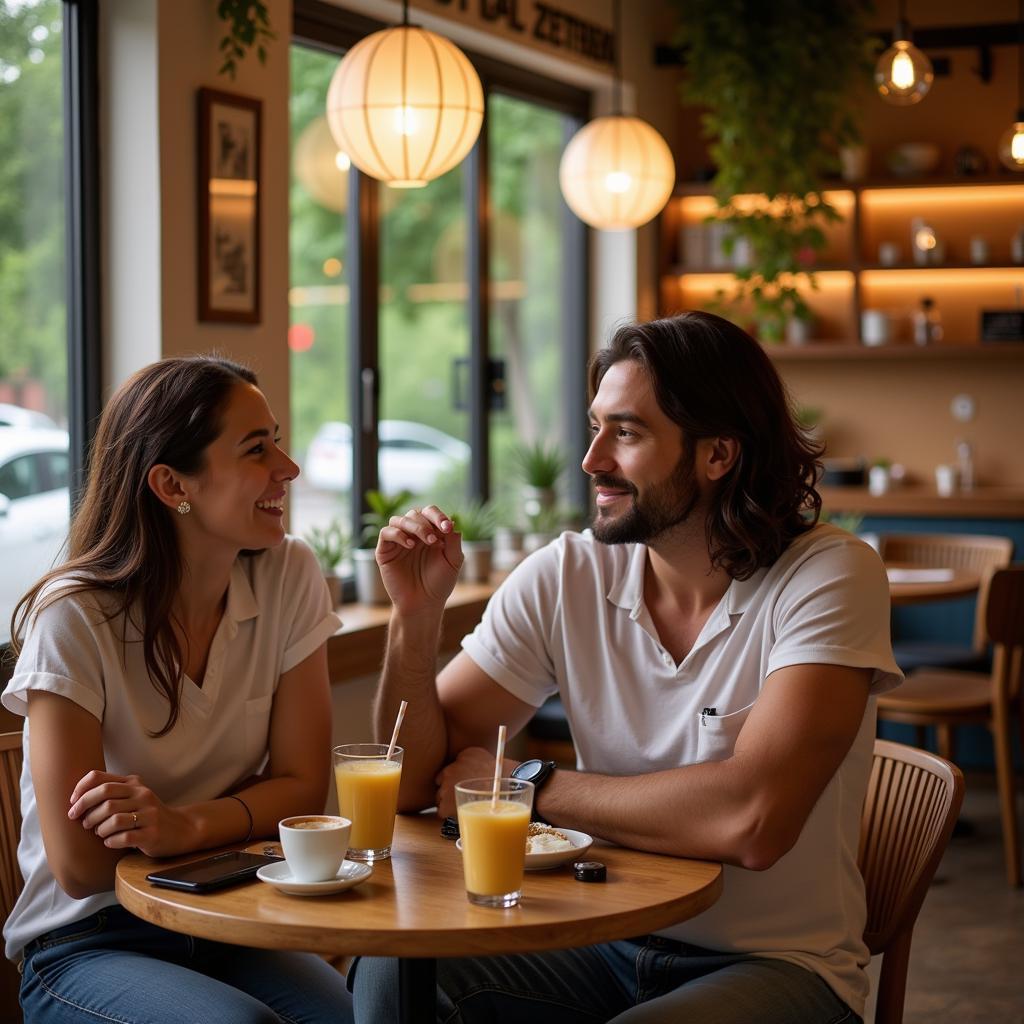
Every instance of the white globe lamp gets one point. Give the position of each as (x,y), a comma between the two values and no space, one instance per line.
(616,173)
(406,105)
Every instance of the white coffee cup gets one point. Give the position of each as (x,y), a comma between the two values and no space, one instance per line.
(874,327)
(314,845)
(945,480)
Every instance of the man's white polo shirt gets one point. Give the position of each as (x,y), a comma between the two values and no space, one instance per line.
(572,620)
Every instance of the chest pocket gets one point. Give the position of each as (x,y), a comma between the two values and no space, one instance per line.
(256,730)
(716,734)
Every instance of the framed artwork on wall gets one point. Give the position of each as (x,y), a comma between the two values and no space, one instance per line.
(228,195)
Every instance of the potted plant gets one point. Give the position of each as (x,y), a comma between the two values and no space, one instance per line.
(539,466)
(369,585)
(543,529)
(779,103)
(476,521)
(330,545)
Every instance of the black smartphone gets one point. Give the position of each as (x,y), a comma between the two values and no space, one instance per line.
(216,872)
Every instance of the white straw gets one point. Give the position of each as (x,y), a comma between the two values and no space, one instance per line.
(398,725)
(498,757)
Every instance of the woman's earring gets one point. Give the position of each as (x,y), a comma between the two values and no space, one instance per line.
(184,508)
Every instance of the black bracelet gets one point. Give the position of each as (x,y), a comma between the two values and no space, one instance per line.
(248,814)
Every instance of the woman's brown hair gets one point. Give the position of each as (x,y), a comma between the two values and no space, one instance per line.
(714,380)
(122,541)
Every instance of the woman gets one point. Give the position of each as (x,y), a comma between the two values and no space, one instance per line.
(174,675)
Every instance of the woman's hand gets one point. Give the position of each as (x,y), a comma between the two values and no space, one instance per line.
(420,556)
(125,813)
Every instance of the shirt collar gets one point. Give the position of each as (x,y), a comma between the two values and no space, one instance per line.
(627,591)
(242,603)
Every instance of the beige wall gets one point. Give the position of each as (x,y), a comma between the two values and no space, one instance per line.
(156,55)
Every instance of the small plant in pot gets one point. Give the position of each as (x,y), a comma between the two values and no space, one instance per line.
(543,528)
(476,522)
(330,544)
(539,466)
(369,585)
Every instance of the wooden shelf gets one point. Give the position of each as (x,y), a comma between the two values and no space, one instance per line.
(698,188)
(921,501)
(815,351)
(903,267)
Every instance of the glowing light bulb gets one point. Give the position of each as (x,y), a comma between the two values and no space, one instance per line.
(341,161)
(618,181)
(1011,144)
(903,74)
(407,121)
(902,71)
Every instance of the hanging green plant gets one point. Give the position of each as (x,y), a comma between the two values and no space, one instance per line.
(248,25)
(779,83)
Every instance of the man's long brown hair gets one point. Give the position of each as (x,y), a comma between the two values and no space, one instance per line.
(714,380)
(122,541)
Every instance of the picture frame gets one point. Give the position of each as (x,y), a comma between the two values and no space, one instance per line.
(228,198)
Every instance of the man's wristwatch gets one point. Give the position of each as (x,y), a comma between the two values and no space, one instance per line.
(536,771)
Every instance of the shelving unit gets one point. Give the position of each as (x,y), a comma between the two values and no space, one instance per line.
(851,279)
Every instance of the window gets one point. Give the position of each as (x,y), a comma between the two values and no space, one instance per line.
(319,300)
(49,361)
(423,360)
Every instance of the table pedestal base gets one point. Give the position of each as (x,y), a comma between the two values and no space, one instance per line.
(417,990)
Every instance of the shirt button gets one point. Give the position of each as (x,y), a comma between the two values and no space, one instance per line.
(668,659)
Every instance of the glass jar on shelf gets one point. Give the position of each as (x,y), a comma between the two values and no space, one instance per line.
(927,323)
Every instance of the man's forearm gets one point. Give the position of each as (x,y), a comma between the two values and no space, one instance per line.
(410,673)
(704,811)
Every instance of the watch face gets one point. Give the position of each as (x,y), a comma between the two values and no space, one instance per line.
(528,770)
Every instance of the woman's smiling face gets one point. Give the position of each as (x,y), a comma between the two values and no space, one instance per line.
(238,496)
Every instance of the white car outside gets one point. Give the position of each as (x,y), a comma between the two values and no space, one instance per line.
(411,456)
(34,510)
(27,419)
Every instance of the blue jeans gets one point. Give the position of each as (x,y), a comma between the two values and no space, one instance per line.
(647,980)
(112,966)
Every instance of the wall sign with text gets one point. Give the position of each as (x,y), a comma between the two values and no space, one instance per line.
(543,22)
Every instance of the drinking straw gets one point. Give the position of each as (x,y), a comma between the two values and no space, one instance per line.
(398,725)
(499,755)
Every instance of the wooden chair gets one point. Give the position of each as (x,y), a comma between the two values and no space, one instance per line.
(911,806)
(10,874)
(980,554)
(947,698)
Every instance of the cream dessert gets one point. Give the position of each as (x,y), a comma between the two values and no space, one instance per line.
(545,839)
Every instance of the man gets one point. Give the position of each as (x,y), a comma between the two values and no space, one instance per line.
(716,654)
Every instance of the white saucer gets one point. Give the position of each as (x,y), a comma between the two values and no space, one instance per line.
(581,842)
(280,877)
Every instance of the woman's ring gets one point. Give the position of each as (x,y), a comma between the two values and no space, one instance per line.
(135,820)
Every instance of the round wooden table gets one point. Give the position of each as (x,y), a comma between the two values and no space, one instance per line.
(904,589)
(414,906)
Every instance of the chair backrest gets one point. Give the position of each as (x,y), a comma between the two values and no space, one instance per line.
(980,554)
(1005,627)
(10,820)
(911,806)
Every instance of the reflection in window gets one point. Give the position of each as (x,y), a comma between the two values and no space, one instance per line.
(424,337)
(33,359)
(526,257)
(321,436)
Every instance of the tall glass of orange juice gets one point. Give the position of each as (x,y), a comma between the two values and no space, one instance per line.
(493,829)
(368,796)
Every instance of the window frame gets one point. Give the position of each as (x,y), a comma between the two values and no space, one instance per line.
(81,182)
(322,26)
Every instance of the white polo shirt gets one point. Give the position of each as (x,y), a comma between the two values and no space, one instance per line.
(278,612)
(571,620)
